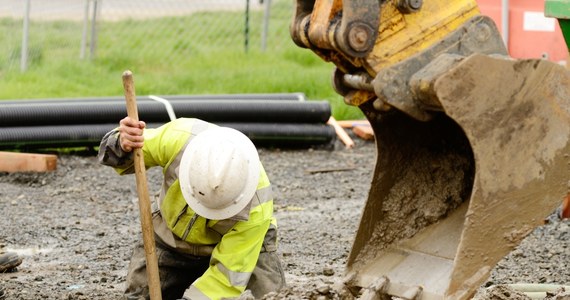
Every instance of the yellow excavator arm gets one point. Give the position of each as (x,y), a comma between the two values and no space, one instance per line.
(473,147)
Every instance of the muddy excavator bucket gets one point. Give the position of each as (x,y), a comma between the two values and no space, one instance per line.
(452,196)
(473,147)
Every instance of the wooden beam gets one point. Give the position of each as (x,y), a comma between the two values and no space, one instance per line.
(27,162)
(364,132)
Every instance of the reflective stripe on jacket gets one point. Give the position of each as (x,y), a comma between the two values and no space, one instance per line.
(236,242)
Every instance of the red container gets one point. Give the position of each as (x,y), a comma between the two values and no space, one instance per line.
(531,34)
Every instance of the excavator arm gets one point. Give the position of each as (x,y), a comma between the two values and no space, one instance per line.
(473,146)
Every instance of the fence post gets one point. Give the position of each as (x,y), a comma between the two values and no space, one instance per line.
(94,29)
(505,22)
(25,37)
(84,32)
(246,25)
(264,33)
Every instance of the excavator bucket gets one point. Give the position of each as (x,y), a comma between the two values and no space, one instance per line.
(452,196)
(473,147)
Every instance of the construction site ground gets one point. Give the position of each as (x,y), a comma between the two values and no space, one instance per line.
(76,226)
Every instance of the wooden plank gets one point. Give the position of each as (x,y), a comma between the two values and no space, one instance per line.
(27,162)
(364,132)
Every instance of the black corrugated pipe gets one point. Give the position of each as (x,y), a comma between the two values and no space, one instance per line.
(286,135)
(151,111)
(262,134)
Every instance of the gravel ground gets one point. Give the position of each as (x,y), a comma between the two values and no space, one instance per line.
(76,226)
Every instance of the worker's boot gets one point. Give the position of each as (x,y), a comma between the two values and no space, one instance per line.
(9,261)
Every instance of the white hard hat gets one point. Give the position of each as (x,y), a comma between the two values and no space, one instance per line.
(219,173)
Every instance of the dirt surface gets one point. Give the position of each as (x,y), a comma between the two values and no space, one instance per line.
(76,227)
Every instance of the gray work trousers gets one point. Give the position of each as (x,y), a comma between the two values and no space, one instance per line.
(177,271)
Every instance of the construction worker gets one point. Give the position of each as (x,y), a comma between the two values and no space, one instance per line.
(214,227)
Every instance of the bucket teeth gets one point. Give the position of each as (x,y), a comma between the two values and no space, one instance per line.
(413,293)
(376,290)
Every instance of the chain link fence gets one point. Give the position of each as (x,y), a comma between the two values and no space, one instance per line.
(163,30)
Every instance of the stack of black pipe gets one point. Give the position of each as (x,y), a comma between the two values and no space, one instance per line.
(269,120)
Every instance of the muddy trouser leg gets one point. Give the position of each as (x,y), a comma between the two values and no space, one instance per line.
(268,275)
(176,271)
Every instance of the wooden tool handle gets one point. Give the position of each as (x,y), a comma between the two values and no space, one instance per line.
(129,87)
(144,199)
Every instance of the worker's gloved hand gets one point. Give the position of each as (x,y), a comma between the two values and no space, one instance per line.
(131,134)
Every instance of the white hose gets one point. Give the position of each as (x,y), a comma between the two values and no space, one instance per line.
(167,105)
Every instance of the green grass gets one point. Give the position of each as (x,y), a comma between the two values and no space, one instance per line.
(165,60)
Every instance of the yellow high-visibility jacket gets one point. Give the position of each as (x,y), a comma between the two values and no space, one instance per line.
(234,244)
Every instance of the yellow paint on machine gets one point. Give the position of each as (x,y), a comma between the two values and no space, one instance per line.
(403,35)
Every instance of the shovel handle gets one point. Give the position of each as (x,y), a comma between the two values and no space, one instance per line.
(144,199)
